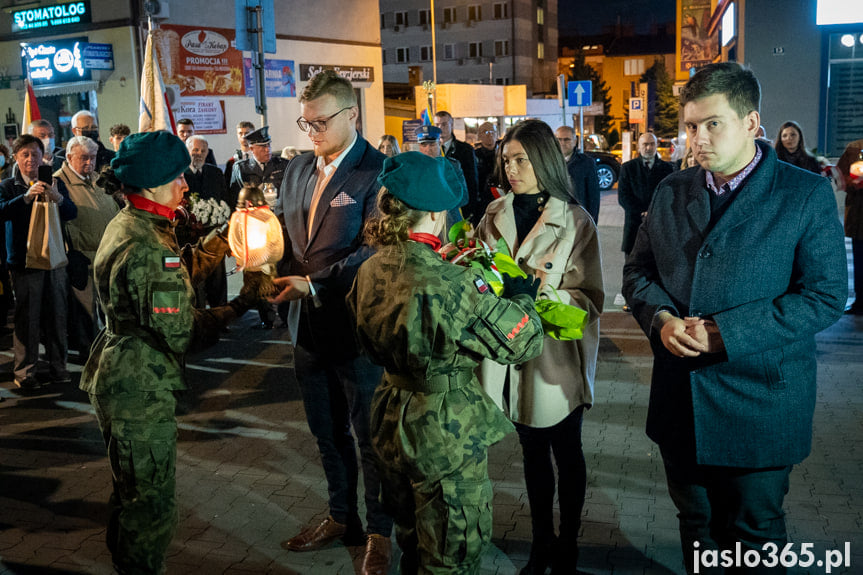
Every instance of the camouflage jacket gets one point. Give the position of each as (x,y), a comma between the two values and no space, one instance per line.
(144,284)
(427,321)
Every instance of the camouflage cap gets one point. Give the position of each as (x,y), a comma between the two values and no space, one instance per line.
(422,182)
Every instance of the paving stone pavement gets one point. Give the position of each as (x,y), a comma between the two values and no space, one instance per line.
(249,475)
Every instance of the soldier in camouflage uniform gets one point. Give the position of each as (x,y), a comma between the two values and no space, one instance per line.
(145,286)
(429,323)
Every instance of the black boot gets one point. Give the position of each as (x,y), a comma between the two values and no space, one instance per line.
(565,558)
(542,553)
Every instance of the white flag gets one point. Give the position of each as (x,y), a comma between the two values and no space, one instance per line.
(155,114)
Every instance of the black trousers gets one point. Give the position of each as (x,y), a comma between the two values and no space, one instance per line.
(721,506)
(537,445)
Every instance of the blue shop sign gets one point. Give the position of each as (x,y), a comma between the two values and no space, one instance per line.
(50,17)
(55,62)
(98,56)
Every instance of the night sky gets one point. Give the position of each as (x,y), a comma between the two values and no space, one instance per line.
(587,17)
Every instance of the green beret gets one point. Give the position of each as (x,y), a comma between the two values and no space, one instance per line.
(422,182)
(150,159)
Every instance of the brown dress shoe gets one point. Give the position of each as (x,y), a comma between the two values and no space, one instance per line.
(378,555)
(316,536)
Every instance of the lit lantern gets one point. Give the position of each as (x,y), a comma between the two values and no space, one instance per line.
(255,233)
(855,170)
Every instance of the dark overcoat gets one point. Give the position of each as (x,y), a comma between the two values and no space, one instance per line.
(635,188)
(771,272)
(585,182)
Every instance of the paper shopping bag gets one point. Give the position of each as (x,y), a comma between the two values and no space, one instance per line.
(45,247)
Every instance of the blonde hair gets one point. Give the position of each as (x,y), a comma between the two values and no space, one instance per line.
(393,222)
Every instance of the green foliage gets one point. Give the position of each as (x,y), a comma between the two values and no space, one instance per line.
(581,70)
(667,108)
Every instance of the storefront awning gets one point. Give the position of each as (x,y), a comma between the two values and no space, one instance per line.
(62,89)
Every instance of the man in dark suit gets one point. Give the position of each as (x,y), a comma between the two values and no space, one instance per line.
(461,152)
(737,266)
(638,180)
(326,198)
(582,171)
(207,181)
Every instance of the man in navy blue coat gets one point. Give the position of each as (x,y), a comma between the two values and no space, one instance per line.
(326,198)
(582,171)
(738,264)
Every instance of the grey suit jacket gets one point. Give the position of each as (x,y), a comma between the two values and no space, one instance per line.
(771,272)
(334,250)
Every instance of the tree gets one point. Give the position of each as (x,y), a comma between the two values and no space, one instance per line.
(581,70)
(666,110)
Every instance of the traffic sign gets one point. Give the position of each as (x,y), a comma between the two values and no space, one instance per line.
(579,93)
(636,110)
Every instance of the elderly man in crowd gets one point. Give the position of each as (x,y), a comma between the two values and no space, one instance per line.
(206,181)
(85,124)
(95,210)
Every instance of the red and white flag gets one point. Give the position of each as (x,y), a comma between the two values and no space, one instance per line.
(155,113)
(31,107)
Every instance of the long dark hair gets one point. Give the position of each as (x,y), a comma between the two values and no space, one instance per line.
(782,152)
(545,156)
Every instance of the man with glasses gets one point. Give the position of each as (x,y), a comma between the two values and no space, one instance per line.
(485,151)
(95,210)
(326,198)
(582,171)
(84,123)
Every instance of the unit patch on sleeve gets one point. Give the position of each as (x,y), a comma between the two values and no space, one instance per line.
(481,286)
(166,302)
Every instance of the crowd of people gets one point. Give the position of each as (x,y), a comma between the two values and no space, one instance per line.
(410,367)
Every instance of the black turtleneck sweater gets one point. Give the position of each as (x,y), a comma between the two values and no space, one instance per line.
(527,208)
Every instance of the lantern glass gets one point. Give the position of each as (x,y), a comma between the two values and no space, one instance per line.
(255,237)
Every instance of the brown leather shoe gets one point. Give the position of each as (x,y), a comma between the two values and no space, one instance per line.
(315,537)
(378,555)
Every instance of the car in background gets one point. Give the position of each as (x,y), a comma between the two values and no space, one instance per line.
(665,148)
(617,152)
(607,166)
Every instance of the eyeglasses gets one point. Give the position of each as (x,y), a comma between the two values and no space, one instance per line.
(487,132)
(318,125)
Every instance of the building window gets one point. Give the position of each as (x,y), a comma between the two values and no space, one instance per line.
(474,12)
(401,18)
(425,17)
(402,55)
(425,53)
(633,67)
(501,47)
(540,51)
(449,51)
(449,15)
(501,11)
(474,50)
(383,22)
(540,15)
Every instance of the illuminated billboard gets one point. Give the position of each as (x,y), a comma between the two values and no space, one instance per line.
(839,12)
(55,62)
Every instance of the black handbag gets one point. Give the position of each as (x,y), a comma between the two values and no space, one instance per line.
(79,264)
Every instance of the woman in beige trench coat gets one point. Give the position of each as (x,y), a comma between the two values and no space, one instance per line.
(553,238)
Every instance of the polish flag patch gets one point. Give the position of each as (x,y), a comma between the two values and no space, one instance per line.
(171,262)
(481,286)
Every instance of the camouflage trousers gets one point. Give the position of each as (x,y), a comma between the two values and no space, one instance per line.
(140,431)
(433,449)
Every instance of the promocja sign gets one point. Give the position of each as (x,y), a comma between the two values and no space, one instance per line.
(51,16)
